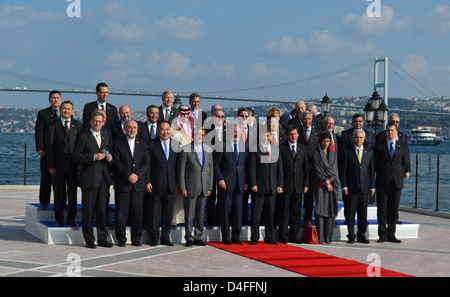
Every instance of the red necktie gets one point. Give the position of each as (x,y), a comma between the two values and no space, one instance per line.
(332,145)
(66,127)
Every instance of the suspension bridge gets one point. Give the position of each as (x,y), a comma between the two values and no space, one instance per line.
(358,80)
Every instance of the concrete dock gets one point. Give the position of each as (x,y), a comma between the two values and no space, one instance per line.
(24,255)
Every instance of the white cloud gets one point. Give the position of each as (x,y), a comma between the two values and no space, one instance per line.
(320,44)
(182,28)
(19,17)
(169,63)
(259,69)
(364,25)
(436,23)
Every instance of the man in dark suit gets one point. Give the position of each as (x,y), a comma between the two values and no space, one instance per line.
(102,91)
(44,119)
(357,176)
(166,111)
(118,128)
(61,142)
(199,114)
(391,169)
(131,165)
(161,184)
(230,172)
(215,137)
(317,117)
(308,136)
(296,182)
(91,151)
(195,180)
(150,126)
(265,168)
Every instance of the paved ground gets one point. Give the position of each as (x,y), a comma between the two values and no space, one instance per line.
(21,254)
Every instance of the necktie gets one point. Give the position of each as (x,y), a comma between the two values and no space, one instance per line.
(166,150)
(268,154)
(392,150)
(67,127)
(152,132)
(167,115)
(200,156)
(332,144)
(294,153)
(103,107)
(274,140)
(97,138)
(56,113)
(306,135)
(236,153)
(244,134)
(219,134)
(359,155)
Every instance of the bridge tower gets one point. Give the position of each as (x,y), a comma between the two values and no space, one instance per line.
(384,84)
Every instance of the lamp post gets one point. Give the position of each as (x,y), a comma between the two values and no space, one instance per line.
(177,102)
(376,111)
(325,104)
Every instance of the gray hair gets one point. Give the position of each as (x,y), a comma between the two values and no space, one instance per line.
(359,131)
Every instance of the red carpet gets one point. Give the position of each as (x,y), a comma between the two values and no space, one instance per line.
(303,261)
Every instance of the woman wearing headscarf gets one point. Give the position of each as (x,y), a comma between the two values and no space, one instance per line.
(326,187)
(181,133)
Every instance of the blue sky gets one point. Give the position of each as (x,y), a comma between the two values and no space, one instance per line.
(210,46)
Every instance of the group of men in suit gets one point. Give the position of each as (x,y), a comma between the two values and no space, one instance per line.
(220,168)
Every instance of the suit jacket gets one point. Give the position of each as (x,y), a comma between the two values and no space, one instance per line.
(125,163)
(92,172)
(44,119)
(111,114)
(173,114)
(358,178)
(317,122)
(203,115)
(228,169)
(212,138)
(195,175)
(163,172)
(267,176)
(313,140)
(295,170)
(144,134)
(403,139)
(386,168)
(60,146)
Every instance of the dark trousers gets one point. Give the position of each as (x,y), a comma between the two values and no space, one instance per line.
(260,203)
(194,209)
(388,201)
(358,206)
(94,200)
(230,204)
(289,222)
(65,190)
(161,208)
(129,208)
(46,183)
(212,207)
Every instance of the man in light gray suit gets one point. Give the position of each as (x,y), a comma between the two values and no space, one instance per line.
(195,174)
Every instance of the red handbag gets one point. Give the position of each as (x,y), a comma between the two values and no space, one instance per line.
(310,233)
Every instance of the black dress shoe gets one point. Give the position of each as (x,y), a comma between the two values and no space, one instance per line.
(167,242)
(254,242)
(362,240)
(153,242)
(91,245)
(351,240)
(59,224)
(136,243)
(199,242)
(381,239)
(188,243)
(105,243)
(393,239)
(227,242)
(71,224)
(121,243)
(270,241)
(237,241)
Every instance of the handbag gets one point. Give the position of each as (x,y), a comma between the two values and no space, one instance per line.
(310,233)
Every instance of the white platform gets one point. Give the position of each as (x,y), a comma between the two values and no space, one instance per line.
(40,223)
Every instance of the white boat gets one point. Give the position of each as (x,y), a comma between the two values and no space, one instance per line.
(423,137)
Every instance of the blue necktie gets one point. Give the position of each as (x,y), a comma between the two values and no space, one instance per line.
(166,150)
(152,132)
(392,150)
(200,156)
(236,153)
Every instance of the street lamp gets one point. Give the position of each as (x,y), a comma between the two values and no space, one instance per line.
(376,111)
(177,102)
(325,104)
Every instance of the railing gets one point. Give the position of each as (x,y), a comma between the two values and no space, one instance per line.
(429,183)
